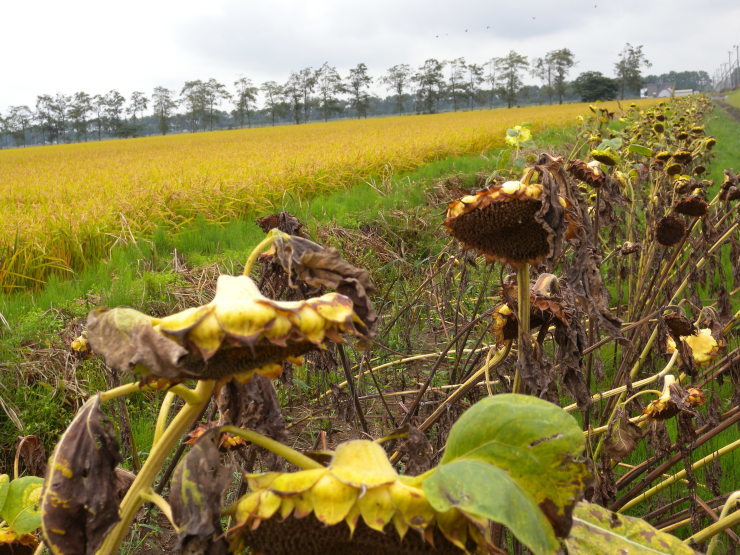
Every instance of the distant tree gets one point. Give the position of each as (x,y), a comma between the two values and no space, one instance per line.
(293,94)
(193,100)
(593,85)
(561,62)
(541,68)
(136,106)
(457,84)
(213,94)
(306,82)
(430,84)
(329,84)
(509,69)
(475,78)
(358,82)
(98,106)
(79,111)
(244,98)
(695,80)
(397,79)
(44,117)
(17,122)
(628,69)
(272,93)
(163,105)
(113,108)
(491,80)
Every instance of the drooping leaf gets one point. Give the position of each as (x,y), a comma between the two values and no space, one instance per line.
(622,436)
(535,441)
(598,530)
(640,149)
(197,484)
(78,502)
(21,508)
(486,491)
(4,486)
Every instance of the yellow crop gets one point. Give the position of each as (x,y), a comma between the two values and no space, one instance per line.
(63,205)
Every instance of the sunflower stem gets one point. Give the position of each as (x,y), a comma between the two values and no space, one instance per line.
(291,455)
(272,235)
(522,286)
(157,456)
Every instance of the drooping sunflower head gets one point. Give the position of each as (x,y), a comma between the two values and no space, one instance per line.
(517,222)
(240,331)
(669,230)
(704,347)
(361,488)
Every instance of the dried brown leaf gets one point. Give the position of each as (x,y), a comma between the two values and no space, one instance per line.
(622,436)
(78,502)
(197,486)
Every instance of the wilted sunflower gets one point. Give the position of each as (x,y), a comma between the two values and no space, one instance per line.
(674,168)
(303,511)
(588,173)
(682,156)
(669,230)
(605,156)
(692,205)
(704,347)
(514,223)
(673,400)
(240,331)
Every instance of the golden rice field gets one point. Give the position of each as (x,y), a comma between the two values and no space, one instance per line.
(63,205)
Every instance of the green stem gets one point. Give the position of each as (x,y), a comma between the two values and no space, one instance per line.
(291,455)
(122,390)
(729,504)
(273,234)
(164,412)
(522,283)
(171,436)
(150,496)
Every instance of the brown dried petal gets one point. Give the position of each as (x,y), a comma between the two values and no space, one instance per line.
(78,502)
(679,325)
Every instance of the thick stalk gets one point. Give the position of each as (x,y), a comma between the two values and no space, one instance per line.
(261,246)
(164,412)
(522,286)
(174,432)
(710,531)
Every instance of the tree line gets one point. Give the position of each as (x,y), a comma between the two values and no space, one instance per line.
(318,94)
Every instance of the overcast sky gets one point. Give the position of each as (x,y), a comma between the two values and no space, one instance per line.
(52,46)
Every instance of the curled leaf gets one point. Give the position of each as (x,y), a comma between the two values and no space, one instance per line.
(20,511)
(324,267)
(622,436)
(78,502)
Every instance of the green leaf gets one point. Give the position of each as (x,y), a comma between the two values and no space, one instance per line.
(4,486)
(640,149)
(512,132)
(598,530)
(535,441)
(482,490)
(613,144)
(21,508)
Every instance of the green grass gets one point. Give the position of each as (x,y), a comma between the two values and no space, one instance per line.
(726,130)
(733,99)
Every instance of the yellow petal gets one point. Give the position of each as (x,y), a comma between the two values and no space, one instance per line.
(376,507)
(412,504)
(303,505)
(362,463)
(261,481)
(286,507)
(292,483)
(352,518)
(333,307)
(269,503)
(207,335)
(399,523)
(246,507)
(454,526)
(237,311)
(331,499)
